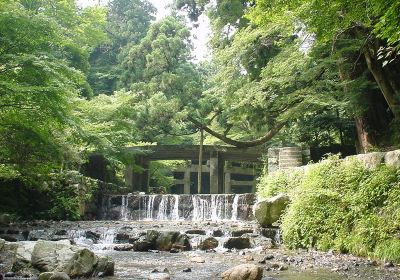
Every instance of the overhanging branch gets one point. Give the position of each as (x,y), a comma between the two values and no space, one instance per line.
(240,144)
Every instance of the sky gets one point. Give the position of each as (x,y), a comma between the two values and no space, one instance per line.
(199,35)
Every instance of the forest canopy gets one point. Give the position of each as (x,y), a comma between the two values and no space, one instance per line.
(81,81)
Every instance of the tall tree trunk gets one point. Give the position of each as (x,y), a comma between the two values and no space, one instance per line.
(386,87)
(365,139)
(199,170)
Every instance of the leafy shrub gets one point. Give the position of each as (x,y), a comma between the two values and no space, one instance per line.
(67,193)
(277,182)
(341,205)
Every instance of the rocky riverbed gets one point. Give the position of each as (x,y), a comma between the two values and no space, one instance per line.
(198,250)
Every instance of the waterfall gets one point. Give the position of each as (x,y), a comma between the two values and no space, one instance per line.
(175,211)
(162,209)
(149,207)
(200,208)
(235,206)
(173,207)
(124,208)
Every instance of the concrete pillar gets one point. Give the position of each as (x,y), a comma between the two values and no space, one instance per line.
(128,176)
(227,183)
(290,157)
(186,181)
(214,178)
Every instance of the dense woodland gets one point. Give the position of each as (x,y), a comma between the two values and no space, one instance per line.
(75,82)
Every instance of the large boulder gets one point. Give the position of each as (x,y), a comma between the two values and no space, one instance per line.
(243,272)
(269,211)
(237,243)
(49,256)
(208,243)
(163,241)
(392,158)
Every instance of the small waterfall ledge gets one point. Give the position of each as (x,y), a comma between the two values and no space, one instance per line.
(172,207)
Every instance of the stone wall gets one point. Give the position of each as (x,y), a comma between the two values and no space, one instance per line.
(370,160)
(286,158)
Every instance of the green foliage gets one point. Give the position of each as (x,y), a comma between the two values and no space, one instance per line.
(161,177)
(67,194)
(127,23)
(280,181)
(340,205)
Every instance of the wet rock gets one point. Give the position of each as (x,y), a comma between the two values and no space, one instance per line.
(196,231)
(54,276)
(268,211)
(217,233)
(23,255)
(35,235)
(59,237)
(122,237)
(9,238)
(12,231)
(266,258)
(95,236)
(166,240)
(237,243)
(5,219)
(277,266)
(157,275)
(197,259)
(208,243)
(243,272)
(61,232)
(124,247)
(240,232)
(143,245)
(388,264)
(9,274)
(45,275)
(248,258)
(73,260)
(105,266)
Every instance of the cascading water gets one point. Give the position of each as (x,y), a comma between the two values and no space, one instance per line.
(235,206)
(175,210)
(197,207)
(124,208)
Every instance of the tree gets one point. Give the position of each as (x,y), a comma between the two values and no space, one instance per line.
(39,85)
(127,23)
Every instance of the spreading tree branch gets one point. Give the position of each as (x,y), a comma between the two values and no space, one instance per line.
(241,144)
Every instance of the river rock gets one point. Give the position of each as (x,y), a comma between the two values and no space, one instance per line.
(166,240)
(243,272)
(269,211)
(237,243)
(54,276)
(5,219)
(124,247)
(240,232)
(217,233)
(196,231)
(208,243)
(73,260)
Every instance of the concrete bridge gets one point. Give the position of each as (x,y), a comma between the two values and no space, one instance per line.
(216,161)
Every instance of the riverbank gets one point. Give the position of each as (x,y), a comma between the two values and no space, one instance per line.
(116,239)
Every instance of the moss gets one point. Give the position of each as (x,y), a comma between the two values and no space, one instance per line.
(341,205)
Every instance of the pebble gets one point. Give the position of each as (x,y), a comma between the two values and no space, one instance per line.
(197,259)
